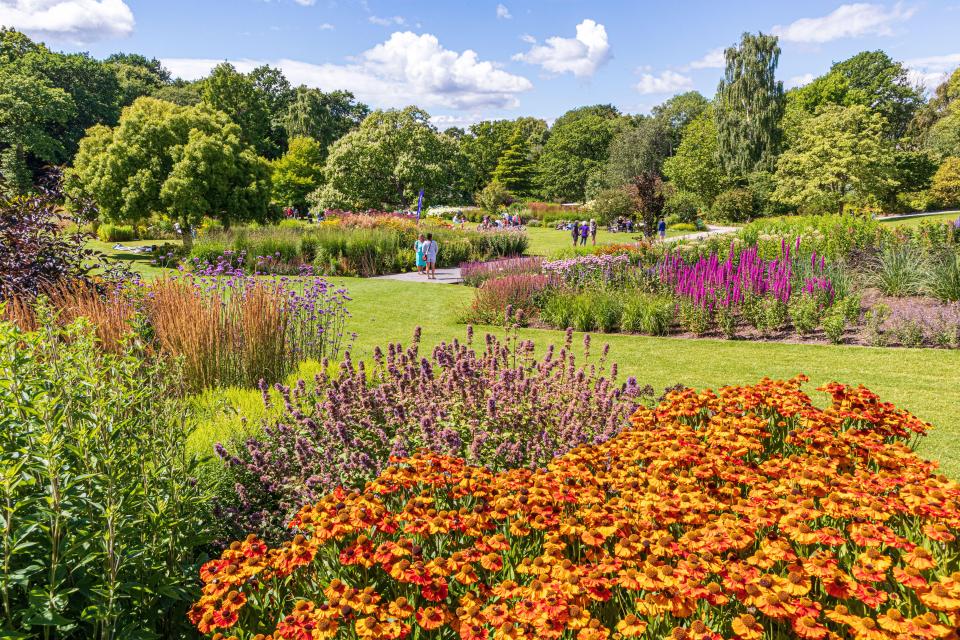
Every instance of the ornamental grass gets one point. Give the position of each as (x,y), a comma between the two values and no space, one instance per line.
(743,513)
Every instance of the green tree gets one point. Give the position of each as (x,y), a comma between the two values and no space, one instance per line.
(515,169)
(841,158)
(679,111)
(137,75)
(30,111)
(636,148)
(182,162)
(482,147)
(943,138)
(493,197)
(325,117)
(945,187)
(876,81)
(297,173)
(237,95)
(611,204)
(749,105)
(695,168)
(579,143)
(181,92)
(387,160)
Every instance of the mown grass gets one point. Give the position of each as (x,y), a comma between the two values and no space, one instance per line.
(138,262)
(920,380)
(917,220)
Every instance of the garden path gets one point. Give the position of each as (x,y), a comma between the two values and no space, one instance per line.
(712,230)
(444,276)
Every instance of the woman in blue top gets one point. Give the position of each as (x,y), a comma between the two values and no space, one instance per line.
(421,257)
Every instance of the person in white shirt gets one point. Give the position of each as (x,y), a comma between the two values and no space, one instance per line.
(430,249)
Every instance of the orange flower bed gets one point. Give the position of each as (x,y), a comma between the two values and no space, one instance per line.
(746,513)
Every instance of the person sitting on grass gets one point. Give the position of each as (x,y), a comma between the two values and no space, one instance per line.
(430,249)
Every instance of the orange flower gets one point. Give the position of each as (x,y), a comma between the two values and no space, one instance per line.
(431,618)
(631,626)
(746,627)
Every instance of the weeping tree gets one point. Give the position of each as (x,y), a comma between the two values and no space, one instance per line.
(749,105)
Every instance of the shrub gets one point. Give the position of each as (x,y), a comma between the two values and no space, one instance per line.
(683,207)
(898,270)
(595,270)
(103,520)
(805,313)
(116,232)
(610,204)
(439,547)
(874,320)
(834,326)
(734,205)
(497,406)
(493,198)
(945,187)
(517,294)
(944,279)
(649,314)
(684,226)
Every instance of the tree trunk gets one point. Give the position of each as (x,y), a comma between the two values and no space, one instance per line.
(187,235)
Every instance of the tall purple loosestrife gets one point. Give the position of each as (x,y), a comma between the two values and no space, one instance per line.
(496,404)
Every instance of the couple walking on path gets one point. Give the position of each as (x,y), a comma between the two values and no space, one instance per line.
(426,249)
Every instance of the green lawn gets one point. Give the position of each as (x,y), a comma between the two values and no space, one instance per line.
(547,241)
(916,221)
(140,263)
(921,380)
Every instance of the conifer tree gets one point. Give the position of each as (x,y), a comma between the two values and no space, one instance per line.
(515,169)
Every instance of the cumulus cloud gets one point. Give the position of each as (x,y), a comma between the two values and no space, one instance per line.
(799,81)
(74,21)
(406,69)
(666,82)
(581,56)
(930,71)
(389,21)
(713,59)
(502,12)
(846,21)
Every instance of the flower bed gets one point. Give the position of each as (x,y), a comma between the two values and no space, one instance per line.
(744,513)
(476,273)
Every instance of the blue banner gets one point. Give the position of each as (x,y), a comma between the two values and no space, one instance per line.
(419,203)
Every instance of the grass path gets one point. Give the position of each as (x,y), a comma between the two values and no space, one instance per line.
(921,380)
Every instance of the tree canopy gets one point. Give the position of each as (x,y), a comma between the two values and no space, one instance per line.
(578,144)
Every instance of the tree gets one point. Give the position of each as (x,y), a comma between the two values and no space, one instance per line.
(945,187)
(325,117)
(297,173)
(648,193)
(945,96)
(611,204)
(137,75)
(277,94)
(515,170)
(695,168)
(876,81)
(579,143)
(30,111)
(943,138)
(749,105)
(841,158)
(181,162)
(734,205)
(486,141)
(236,94)
(494,197)
(679,111)
(387,160)
(181,92)
(637,148)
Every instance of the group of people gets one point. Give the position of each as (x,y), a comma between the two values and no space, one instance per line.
(580,231)
(505,221)
(426,249)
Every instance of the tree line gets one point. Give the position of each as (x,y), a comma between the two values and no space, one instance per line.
(239,146)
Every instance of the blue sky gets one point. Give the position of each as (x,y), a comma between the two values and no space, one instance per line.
(468,60)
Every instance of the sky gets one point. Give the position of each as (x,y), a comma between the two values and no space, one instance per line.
(470,60)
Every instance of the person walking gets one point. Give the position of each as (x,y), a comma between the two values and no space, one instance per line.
(420,255)
(575,232)
(584,232)
(662,229)
(430,249)
(593,231)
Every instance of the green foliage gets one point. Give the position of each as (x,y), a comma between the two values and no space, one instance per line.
(137,75)
(31,112)
(749,105)
(805,313)
(876,81)
(943,139)
(116,232)
(515,169)
(637,148)
(945,186)
(648,193)
(493,198)
(253,101)
(579,143)
(834,326)
(682,206)
(695,168)
(944,278)
(648,314)
(678,112)
(323,116)
(297,173)
(898,270)
(841,158)
(183,162)
(612,203)
(103,520)
(734,205)
(387,160)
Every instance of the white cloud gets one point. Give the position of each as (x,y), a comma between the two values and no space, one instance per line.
(445,121)
(529,39)
(581,56)
(406,69)
(713,59)
(666,82)
(799,81)
(930,71)
(74,21)
(326,26)
(502,12)
(306,3)
(389,21)
(846,21)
